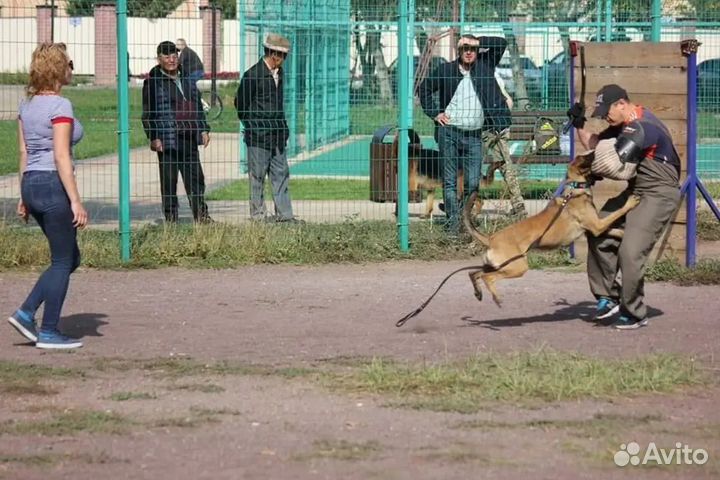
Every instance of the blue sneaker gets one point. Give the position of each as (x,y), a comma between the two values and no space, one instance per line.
(627,322)
(56,341)
(24,324)
(606,307)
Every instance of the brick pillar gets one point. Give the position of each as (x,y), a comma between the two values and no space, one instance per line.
(44,23)
(206,14)
(105,44)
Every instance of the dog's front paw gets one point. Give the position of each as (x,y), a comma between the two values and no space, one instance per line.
(633,201)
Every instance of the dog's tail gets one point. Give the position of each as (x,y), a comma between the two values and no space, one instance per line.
(468,220)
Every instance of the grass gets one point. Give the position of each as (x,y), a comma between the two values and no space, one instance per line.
(539,376)
(344,450)
(196,417)
(125,396)
(230,246)
(46,460)
(198,387)
(70,423)
(27,379)
(330,189)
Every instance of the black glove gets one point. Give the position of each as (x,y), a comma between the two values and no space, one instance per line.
(576,115)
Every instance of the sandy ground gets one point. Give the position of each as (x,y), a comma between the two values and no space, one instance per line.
(253,426)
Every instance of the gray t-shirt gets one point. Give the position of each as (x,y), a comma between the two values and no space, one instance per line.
(38,114)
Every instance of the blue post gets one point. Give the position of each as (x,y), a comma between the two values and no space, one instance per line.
(608,20)
(242,33)
(405,93)
(691,181)
(123,99)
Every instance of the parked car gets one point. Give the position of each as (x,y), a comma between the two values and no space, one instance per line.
(435,62)
(555,71)
(708,85)
(533,76)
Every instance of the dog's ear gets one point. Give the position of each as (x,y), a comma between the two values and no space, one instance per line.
(584,160)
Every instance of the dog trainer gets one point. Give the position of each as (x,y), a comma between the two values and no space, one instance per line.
(470,101)
(642,148)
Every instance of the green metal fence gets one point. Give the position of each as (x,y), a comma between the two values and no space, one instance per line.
(342,80)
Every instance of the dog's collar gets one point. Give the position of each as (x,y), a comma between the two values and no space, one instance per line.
(579,185)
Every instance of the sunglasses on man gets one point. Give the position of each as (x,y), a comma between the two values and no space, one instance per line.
(468,48)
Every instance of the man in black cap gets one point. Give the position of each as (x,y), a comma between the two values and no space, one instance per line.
(175,124)
(259,104)
(644,145)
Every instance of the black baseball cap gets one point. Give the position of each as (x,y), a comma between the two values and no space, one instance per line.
(166,48)
(608,95)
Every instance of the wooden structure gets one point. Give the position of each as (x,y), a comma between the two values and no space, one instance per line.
(655,76)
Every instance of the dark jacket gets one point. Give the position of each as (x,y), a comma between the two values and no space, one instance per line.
(167,111)
(259,105)
(190,62)
(445,79)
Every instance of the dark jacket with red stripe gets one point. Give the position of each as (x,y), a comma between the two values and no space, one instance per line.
(168,112)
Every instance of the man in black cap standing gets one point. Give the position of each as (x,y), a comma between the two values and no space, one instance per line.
(259,104)
(175,124)
(643,147)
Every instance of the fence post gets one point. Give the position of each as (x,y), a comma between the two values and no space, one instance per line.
(405,99)
(656,18)
(105,44)
(208,28)
(44,20)
(123,132)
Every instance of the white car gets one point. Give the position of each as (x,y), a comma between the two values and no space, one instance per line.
(533,76)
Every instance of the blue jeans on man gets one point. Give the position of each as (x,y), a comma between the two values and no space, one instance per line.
(46,200)
(459,148)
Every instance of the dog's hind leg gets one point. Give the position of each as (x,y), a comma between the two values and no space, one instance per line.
(475,280)
(429,204)
(514,269)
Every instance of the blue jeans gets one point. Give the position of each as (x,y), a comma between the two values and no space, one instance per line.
(459,148)
(46,200)
(262,162)
(196,76)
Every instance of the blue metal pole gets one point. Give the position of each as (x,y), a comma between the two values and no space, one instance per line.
(656,18)
(608,20)
(242,41)
(404,122)
(123,99)
(691,182)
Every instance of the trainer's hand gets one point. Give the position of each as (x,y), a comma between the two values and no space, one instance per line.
(442,119)
(576,115)
(205,139)
(156,145)
(22,211)
(80,216)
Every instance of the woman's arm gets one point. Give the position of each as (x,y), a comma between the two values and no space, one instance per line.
(62,132)
(22,165)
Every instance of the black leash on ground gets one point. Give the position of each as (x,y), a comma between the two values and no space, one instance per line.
(486,268)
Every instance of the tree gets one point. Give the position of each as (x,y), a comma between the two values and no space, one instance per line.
(136,8)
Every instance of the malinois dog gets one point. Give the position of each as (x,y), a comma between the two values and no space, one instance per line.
(564,220)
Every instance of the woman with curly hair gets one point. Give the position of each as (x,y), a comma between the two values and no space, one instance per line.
(47,130)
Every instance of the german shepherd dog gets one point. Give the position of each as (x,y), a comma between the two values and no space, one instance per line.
(564,220)
(428,177)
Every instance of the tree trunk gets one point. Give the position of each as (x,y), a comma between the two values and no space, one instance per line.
(521,97)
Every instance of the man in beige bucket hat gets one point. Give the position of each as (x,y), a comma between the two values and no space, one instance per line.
(259,104)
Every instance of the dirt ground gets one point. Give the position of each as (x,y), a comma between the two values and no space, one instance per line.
(253,426)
